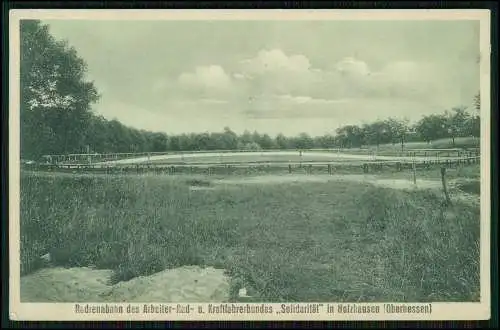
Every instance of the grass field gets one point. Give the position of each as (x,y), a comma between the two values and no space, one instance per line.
(295,241)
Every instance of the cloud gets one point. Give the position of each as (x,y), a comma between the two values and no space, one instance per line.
(239,76)
(276,84)
(272,71)
(352,67)
(275,60)
(211,77)
(196,101)
(308,100)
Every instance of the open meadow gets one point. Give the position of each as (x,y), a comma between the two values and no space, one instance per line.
(288,237)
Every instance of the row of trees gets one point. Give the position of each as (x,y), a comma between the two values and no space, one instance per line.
(111,136)
(459,122)
(56,116)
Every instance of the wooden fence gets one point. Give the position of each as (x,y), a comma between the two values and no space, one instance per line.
(91,158)
(312,167)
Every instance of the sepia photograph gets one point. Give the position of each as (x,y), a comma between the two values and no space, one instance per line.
(257,165)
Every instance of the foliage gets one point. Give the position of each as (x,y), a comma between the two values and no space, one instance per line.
(55,96)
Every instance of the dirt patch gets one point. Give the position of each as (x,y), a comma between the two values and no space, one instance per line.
(195,188)
(408,184)
(271,179)
(65,285)
(184,284)
(196,182)
(372,179)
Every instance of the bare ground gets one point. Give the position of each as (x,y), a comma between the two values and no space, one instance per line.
(82,284)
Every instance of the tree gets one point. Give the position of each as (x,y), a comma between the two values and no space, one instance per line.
(376,133)
(456,121)
(256,138)
(202,141)
(431,127)
(186,142)
(138,141)
(350,136)
(325,141)
(304,141)
(477,102)
(55,98)
(474,125)
(266,142)
(249,146)
(398,129)
(246,137)
(230,139)
(159,142)
(282,141)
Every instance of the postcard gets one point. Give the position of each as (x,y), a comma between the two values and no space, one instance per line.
(249,165)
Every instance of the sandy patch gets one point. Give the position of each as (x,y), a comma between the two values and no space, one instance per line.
(195,188)
(408,184)
(278,179)
(184,284)
(271,179)
(65,285)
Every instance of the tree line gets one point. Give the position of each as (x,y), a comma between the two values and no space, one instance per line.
(56,115)
(454,123)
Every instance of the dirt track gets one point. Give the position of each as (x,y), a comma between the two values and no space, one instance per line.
(220,156)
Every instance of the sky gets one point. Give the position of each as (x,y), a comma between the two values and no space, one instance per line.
(274,76)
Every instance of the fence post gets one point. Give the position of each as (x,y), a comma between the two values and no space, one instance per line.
(445,189)
(414,166)
(289,168)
